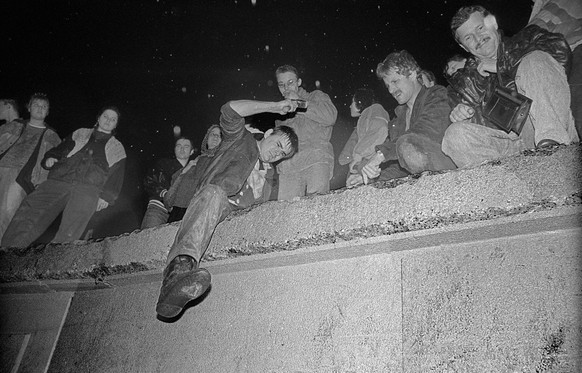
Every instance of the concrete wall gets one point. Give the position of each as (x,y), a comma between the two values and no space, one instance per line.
(499,290)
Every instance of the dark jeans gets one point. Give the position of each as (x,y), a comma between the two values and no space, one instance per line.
(575,81)
(206,210)
(39,209)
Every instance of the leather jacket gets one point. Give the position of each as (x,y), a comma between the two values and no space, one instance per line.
(473,89)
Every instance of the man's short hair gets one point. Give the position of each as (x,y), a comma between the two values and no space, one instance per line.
(13,103)
(285,69)
(402,62)
(290,134)
(184,138)
(463,14)
(364,98)
(39,96)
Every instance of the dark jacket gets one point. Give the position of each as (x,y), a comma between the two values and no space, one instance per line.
(92,158)
(430,117)
(159,177)
(475,89)
(233,160)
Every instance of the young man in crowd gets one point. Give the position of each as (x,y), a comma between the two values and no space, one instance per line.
(231,180)
(532,63)
(23,145)
(158,181)
(310,171)
(413,144)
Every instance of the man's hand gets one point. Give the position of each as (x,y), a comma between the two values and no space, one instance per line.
(285,106)
(372,169)
(461,112)
(101,204)
(354,180)
(486,66)
(50,162)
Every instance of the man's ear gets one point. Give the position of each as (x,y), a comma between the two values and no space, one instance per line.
(299,81)
(268,133)
(490,21)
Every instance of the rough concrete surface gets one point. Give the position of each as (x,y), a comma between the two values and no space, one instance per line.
(528,182)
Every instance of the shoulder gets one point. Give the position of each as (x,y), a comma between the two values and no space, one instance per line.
(436,92)
(317,95)
(116,147)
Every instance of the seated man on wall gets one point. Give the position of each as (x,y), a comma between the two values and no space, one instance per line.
(414,137)
(532,63)
(231,180)
(158,180)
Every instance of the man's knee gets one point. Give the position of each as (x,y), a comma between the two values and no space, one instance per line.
(454,137)
(411,155)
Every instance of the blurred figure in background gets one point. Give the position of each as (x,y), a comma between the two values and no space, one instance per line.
(371,130)
(158,180)
(182,189)
(85,175)
(23,145)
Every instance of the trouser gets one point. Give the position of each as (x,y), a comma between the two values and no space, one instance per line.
(155,215)
(313,179)
(11,196)
(575,80)
(206,210)
(39,209)
(541,78)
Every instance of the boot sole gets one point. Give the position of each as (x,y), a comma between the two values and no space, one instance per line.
(191,286)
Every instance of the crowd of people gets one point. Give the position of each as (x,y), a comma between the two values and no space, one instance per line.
(435,128)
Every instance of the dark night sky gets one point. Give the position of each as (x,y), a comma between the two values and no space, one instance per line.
(171,62)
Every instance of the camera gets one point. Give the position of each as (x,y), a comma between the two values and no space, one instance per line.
(301,104)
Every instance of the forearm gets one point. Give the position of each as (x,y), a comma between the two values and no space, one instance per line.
(246,108)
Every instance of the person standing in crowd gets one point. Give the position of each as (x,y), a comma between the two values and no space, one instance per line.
(532,63)
(86,175)
(371,130)
(23,145)
(181,192)
(230,180)
(311,169)
(414,137)
(158,181)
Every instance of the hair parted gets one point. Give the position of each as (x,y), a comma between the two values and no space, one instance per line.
(290,134)
(402,62)
(463,14)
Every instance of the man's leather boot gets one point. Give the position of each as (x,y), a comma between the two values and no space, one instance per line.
(183,282)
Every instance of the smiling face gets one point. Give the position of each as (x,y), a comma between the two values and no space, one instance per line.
(288,82)
(402,88)
(479,36)
(354,112)
(107,121)
(274,147)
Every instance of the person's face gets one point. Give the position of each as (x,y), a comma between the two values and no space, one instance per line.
(401,87)
(107,121)
(183,149)
(478,36)
(39,109)
(354,112)
(214,138)
(274,147)
(288,82)
(454,66)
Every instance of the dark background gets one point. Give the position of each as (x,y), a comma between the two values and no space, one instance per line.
(168,62)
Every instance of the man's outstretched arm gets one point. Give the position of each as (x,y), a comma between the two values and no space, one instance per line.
(245,108)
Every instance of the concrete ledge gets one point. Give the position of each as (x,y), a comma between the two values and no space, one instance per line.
(533,181)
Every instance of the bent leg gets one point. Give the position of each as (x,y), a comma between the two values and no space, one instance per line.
(418,153)
(291,185)
(81,206)
(541,78)
(155,215)
(207,209)
(469,144)
(317,178)
(38,210)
